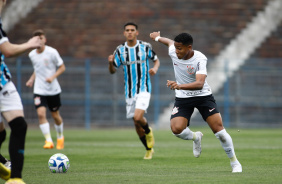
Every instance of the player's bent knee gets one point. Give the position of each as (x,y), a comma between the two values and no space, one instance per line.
(176,130)
(18,126)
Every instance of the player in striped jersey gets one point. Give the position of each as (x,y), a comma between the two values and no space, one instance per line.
(134,56)
(11,107)
(192,91)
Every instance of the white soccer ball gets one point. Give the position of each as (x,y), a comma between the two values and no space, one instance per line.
(58,163)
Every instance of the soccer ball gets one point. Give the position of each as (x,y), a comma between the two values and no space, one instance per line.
(58,163)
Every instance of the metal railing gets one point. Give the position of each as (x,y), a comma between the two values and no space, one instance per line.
(92,97)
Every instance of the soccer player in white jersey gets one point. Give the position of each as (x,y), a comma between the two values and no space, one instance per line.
(134,55)
(48,65)
(192,91)
(11,107)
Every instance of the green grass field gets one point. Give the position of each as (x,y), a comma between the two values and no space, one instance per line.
(116,156)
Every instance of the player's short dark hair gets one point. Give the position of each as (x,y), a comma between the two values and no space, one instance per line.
(184,38)
(38,32)
(131,24)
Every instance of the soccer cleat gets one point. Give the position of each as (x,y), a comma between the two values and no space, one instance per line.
(149,154)
(197,148)
(8,164)
(15,181)
(48,145)
(5,173)
(236,167)
(150,139)
(60,143)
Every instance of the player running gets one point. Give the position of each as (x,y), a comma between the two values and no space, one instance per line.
(48,65)
(134,55)
(192,91)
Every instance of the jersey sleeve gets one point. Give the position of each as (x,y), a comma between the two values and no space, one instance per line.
(57,58)
(202,66)
(150,53)
(3,36)
(117,60)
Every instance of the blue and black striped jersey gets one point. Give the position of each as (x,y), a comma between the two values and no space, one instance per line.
(4,72)
(135,61)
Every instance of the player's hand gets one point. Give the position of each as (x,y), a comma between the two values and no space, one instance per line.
(29,83)
(172,85)
(152,71)
(111,58)
(49,80)
(153,35)
(35,42)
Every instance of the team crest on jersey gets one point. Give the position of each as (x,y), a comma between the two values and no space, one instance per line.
(140,54)
(174,110)
(124,54)
(37,100)
(46,62)
(190,69)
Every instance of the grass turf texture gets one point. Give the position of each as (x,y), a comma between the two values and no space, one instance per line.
(116,156)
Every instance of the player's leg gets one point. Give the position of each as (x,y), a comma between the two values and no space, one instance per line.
(179,123)
(59,127)
(44,126)
(5,170)
(12,111)
(215,123)
(3,133)
(40,103)
(141,134)
(54,104)
(142,103)
(144,132)
(179,129)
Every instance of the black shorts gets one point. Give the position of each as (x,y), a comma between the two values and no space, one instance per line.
(184,107)
(52,102)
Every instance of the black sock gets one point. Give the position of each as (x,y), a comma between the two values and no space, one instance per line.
(2,139)
(16,146)
(143,140)
(146,128)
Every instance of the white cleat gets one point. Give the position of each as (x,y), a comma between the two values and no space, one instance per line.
(8,164)
(197,148)
(236,167)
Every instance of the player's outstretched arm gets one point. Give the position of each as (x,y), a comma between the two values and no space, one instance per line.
(11,50)
(156,36)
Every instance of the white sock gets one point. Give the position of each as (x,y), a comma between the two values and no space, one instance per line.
(186,134)
(45,129)
(227,144)
(59,130)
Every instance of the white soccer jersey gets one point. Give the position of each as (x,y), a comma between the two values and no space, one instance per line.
(186,70)
(45,65)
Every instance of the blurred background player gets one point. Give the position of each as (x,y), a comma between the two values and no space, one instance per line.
(192,91)
(134,55)
(11,107)
(48,65)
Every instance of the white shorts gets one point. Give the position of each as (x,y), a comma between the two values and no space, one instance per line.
(140,101)
(10,98)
